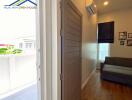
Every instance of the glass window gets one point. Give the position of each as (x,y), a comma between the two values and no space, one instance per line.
(28,45)
(103,51)
(20,45)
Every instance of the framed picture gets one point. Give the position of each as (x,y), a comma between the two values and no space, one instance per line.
(129,42)
(122,35)
(129,35)
(122,42)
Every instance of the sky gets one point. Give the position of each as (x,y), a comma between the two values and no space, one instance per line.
(15,23)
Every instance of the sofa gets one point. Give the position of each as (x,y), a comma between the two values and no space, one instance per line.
(117,69)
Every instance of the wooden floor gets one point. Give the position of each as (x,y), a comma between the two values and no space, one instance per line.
(104,90)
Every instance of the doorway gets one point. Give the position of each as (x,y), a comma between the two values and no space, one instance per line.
(18,71)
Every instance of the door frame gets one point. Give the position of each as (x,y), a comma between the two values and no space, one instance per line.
(49,49)
(44,49)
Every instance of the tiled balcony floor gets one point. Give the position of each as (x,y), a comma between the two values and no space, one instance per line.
(29,93)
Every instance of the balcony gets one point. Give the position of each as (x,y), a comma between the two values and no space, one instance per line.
(18,73)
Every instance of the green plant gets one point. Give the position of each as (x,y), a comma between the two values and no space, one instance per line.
(17,51)
(10,50)
(3,50)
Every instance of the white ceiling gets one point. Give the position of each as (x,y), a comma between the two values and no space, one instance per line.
(113,5)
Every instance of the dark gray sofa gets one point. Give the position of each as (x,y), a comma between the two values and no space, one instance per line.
(117,70)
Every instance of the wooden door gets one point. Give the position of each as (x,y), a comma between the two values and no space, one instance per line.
(71,51)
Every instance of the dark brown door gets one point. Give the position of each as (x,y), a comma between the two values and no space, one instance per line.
(71,51)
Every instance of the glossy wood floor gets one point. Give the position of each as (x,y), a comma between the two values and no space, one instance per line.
(104,90)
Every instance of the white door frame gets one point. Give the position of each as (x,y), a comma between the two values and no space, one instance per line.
(49,49)
(56,49)
(44,49)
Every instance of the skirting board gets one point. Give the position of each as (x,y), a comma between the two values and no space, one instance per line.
(98,68)
(86,81)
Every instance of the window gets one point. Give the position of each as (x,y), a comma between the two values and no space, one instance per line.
(106,32)
(20,45)
(28,45)
(103,51)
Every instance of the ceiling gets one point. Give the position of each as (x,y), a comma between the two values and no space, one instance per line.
(113,5)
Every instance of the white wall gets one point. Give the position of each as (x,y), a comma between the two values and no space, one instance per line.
(25,70)
(123,22)
(4,74)
(89,45)
(16,71)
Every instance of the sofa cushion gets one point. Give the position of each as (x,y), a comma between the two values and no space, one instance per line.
(118,69)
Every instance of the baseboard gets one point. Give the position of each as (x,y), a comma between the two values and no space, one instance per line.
(86,81)
(98,68)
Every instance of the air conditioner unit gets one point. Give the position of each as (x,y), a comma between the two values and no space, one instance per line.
(91,8)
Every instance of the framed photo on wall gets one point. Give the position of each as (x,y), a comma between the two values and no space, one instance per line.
(122,35)
(129,35)
(129,42)
(122,42)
